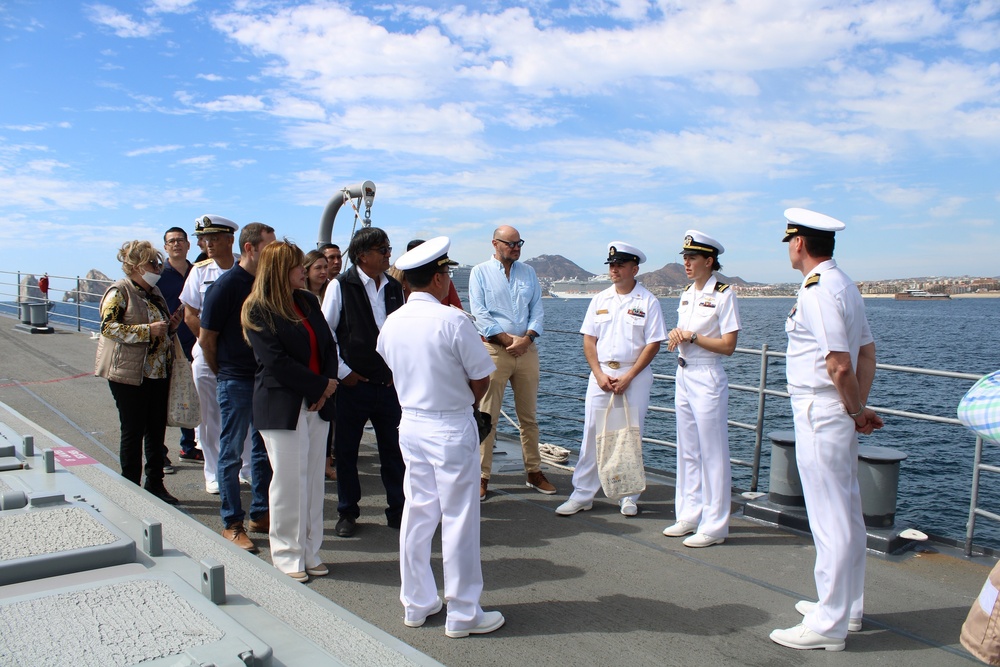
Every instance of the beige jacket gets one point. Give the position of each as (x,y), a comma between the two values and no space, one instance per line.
(118,361)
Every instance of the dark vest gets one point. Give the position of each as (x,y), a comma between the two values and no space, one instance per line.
(357,332)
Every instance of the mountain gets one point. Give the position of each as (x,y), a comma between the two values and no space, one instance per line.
(555,267)
(672,275)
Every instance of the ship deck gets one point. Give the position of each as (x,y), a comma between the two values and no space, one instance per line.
(595,588)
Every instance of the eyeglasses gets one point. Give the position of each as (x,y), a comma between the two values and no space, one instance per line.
(511,244)
(175,241)
(384,250)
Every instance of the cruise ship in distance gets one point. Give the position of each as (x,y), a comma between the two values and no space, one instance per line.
(460,277)
(920,295)
(574,288)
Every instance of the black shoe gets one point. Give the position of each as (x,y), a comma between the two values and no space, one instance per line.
(394,521)
(193,455)
(164,495)
(345,527)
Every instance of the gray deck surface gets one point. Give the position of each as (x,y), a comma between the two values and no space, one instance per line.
(592,589)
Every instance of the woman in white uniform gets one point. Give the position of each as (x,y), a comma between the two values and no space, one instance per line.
(708,324)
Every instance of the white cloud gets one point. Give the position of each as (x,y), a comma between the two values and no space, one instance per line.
(210,77)
(122,24)
(170,6)
(198,160)
(149,150)
(226,103)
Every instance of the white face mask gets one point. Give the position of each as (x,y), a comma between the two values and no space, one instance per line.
(151,278)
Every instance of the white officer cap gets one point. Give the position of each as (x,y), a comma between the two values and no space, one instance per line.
(803,222)
(214,224)
(619,251)
(700,242)
(433,252)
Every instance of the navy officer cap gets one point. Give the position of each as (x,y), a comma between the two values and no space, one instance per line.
(803,222)
(434,251)
(700,242)
(214,224)
(619,251)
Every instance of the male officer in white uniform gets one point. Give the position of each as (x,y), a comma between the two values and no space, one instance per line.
(830,365)
(218,235)
(441,369)
(622,331)
(708,325)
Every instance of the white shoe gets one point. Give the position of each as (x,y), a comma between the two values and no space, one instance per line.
(245,481)
(320,570)
(801,637)
(628,507)
(212,487)
(805,606)
(417,622)
(572,507)
(492,620)
(680,529)
(700,540)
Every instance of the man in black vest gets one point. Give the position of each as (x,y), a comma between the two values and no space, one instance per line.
(355,306)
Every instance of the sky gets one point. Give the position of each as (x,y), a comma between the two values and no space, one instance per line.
(577,122)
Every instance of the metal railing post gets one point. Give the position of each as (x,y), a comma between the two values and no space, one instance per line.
(78,315)
(970,527)
(759,431)
(18,288)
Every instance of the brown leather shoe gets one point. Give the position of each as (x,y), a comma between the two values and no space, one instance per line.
(237,534)
(483,483)
(261,524)
(537,481)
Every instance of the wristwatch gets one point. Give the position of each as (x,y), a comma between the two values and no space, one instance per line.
(694,337)
(532,336)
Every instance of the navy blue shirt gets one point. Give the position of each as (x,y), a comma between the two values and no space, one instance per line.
(171,283)
(221,312)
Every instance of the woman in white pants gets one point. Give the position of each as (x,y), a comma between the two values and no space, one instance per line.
(292,403)
(708,324)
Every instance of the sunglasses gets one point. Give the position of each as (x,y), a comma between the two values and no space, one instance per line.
(384,250)
(511,244)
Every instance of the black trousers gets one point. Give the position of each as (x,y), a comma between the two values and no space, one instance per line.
(142,411)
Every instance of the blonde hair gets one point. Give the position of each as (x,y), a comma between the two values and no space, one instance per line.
(271,296)
(134,254)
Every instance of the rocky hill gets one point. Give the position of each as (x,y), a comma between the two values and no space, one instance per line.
(556,267)
(672,275)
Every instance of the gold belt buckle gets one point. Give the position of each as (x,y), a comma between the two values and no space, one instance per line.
(614,365)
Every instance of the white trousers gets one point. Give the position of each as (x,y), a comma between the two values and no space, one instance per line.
(586,478)
(441,484)
(704,477)
(296,491)
(826,451)
(205,384)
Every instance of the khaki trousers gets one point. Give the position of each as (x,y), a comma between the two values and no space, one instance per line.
(522,374)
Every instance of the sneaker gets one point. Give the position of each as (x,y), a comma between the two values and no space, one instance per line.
(699,540)
(801,637)
(492,620)
(193,455)
(168,469)
(261,524)
(320,570)
(571,507)
(301,577)
(628,507)
(680,529)
(237,534)
(212,487)
(805,606)
(483,483)
(417,622)
(537,481)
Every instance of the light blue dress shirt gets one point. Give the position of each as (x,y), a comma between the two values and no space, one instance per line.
(503,305)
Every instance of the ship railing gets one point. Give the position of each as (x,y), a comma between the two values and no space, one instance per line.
(68,289)
(760,425)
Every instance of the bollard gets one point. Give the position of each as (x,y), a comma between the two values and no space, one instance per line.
(39,315)
(878,477)
(24,310)
(49,459)
(29,445)
(213,580)
(152,537)
(785,487)
(13,500)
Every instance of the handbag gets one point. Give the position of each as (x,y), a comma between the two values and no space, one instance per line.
(183,407)
(619,453)
(979,409)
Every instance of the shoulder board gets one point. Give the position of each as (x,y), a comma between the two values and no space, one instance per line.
(721,287)
(812,280)
(689,287)
(204,262)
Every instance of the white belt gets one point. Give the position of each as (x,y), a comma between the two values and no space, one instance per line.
(615,365)
(812,391)
(698,361)
(437,414)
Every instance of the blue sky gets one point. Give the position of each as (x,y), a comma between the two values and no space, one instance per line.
(577,122)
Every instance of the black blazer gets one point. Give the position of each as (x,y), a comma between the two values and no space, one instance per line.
(283,377)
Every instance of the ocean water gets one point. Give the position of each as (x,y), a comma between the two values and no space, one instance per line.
(961,335)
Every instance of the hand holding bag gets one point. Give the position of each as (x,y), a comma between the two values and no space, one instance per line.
(183,408)
(619,453)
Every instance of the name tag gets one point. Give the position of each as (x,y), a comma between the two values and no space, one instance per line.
(602,311)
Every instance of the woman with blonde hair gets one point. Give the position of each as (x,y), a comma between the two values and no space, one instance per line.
(134,354)
(292,403)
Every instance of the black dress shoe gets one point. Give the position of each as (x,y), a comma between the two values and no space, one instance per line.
(162,493)
(394,521)
(345,527)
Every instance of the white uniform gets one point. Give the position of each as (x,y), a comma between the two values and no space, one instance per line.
(701,398)
(623,325)
(433,351)
(202,275)
(829,316)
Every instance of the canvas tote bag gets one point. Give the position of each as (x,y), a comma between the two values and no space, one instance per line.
(619,452)
(979,409)
(183,408)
